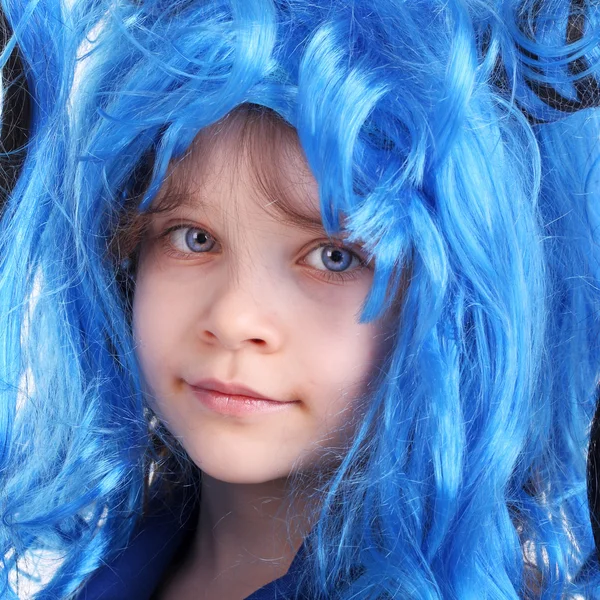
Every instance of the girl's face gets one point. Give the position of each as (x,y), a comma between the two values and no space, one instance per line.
(235,303)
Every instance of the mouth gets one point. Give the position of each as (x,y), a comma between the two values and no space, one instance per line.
(235,399)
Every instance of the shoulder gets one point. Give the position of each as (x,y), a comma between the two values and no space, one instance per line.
(138,570)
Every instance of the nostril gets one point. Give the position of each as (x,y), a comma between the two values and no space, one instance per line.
(258,341)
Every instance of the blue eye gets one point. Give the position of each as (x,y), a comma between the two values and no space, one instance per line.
(332,258)
(192,239)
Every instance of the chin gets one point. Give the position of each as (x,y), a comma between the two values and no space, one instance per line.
(242,477)
(237,470)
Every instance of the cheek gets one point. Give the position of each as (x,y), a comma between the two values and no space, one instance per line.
(339,369)
(340,355)
(340,348)
(340,359)
(155,316)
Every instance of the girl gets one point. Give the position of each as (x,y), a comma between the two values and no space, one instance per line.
(295,300)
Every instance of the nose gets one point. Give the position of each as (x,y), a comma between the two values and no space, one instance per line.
(238,317)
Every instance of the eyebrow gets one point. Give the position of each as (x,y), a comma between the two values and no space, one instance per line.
(298,219)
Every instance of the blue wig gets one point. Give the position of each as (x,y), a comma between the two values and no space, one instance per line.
(459,140)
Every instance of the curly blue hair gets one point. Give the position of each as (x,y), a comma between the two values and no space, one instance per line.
(459,139)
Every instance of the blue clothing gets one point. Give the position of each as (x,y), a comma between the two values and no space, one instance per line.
(159,547)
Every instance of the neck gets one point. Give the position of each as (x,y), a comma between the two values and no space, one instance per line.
(244,528)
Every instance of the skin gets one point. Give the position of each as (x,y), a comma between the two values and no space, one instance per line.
(261,309)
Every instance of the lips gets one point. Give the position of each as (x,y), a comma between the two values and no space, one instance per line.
(233,400)
(230,389)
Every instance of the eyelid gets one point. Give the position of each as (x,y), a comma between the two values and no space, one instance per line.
(163,237)
(336,277)
(330,276)
(350,247)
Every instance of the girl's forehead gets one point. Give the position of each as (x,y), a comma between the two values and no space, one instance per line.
(261,160)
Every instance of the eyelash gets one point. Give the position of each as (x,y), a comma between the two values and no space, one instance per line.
(326,275)
(336,276)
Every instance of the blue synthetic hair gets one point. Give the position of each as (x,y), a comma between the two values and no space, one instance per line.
(459,140)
